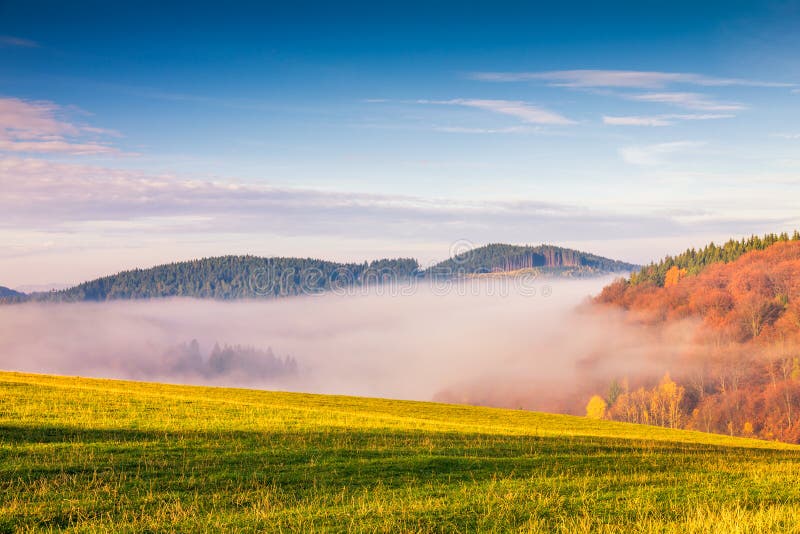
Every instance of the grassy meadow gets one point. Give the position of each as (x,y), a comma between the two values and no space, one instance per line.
(92,455)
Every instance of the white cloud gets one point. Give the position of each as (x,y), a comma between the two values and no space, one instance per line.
(521,110)
(620,78)
(661,120)
(656,154)
(689,101)
(36,127)
(788,135)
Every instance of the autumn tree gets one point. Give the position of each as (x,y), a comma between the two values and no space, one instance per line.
(596,407)
(666,403)
(674,275)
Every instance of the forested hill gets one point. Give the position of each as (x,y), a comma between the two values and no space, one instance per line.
(498,257)
(234,277)
(7,292)
(9,295)
(692,261)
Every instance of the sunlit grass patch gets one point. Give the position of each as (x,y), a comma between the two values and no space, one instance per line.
(95,455)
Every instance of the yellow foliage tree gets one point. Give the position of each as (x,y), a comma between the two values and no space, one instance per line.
(596,408)
(658,406)
(673,276)
(665,403)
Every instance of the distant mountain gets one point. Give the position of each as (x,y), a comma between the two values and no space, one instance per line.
(500,258)
(9,296)
(236,277)
(41,288)
(7,293)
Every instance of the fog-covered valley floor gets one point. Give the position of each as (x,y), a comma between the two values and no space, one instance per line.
(484,342)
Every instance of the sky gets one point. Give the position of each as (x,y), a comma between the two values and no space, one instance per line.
(135,133)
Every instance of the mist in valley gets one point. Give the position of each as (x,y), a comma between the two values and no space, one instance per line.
(486,342)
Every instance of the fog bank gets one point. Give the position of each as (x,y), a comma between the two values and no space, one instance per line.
(513,348)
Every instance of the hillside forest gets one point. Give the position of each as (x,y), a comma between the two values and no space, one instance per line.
(740,373)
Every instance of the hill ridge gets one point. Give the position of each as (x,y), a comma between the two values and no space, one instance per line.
(250,276)
(502,257)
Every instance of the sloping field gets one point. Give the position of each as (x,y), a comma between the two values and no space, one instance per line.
(101,455)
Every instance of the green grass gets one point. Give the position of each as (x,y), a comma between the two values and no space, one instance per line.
(101,455)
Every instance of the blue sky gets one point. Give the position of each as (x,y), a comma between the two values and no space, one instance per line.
(134,133)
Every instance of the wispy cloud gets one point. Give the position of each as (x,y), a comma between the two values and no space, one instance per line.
(18,42)
(42,195)
(36,127)
(695,101)
(661,120)
(656,154)
(617,81)
(509,130)
(787,135)
(56,146)
(95,209)
(636,121)
(521,110)
(631,79)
